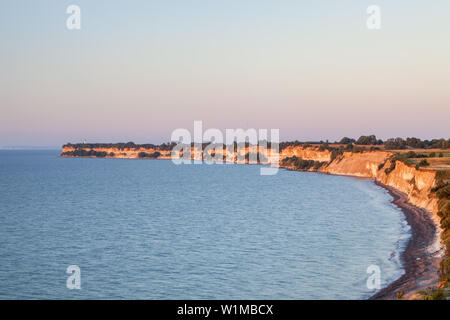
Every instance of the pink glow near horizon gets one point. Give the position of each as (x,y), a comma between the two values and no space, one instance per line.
(313,75)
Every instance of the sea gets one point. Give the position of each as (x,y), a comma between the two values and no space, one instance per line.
(88,228)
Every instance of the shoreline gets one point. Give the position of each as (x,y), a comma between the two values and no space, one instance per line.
(420,265)
(421,256)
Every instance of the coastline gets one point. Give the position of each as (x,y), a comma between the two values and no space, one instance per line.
(409,187)
(420,257)
(420,265)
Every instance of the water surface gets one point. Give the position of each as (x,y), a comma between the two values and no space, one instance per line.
(148,229)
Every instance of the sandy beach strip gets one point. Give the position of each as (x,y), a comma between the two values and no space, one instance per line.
(421,257)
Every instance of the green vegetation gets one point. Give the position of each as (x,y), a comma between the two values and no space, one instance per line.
(324,146)
(443,194)
(318,164)
(153,155)
(404,157)
(358,149)
(368,140)
(335,153)
(434,294)
(284,145)
(427,144)
(301,164)
(85,153)
(399,143)
(408,159)
(395,144)
(442,176)
(422,163)
(121,146)
(391,144)
(391,167)
(346,140)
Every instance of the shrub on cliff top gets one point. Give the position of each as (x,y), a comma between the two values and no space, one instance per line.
(422,163)
(357,149)
(443,204)
(444,193)
(445,223)
(446,236)
(153,155)
(324,146)
(397,143)
(368,140)
(442,175)
(444,212)
(346,140)
(403,157)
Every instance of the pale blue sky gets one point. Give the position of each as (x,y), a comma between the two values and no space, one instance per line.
(139,69)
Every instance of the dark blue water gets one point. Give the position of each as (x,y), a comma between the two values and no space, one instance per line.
(149,229)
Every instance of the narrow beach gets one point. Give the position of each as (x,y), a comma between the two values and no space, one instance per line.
(421,266)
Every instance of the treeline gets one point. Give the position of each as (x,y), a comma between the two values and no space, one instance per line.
(399,143)
(371,140)
(121,146)
(86,153)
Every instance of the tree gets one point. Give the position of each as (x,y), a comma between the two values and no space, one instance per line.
(367,140)
(415,143)
(397,143)
(346,140)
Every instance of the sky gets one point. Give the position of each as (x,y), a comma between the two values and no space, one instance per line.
(139,69)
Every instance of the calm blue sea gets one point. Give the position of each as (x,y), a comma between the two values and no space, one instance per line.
(148,229)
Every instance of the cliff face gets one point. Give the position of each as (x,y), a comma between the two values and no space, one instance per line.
(306,154)
(363,164)
(415,183)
